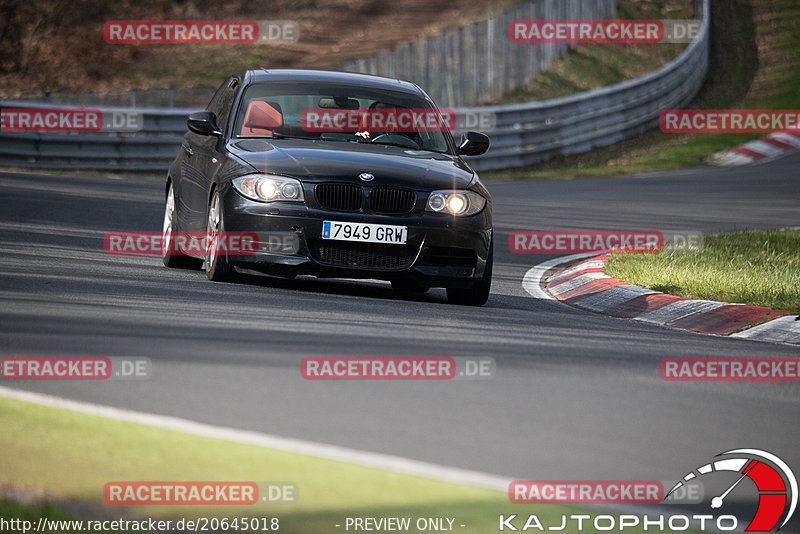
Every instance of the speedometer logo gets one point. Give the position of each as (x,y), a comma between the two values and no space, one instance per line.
(774,480)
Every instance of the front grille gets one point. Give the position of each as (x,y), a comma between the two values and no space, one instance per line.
(452,257)
(362,255)
(391,201)
(339,197)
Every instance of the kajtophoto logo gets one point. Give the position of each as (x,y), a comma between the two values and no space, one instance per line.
(775,483)
(772,486)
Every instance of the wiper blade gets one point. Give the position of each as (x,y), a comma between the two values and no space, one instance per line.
(388,143)
(281,136)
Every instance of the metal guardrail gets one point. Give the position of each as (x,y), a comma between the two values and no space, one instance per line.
(478,62)
(533,132)
(159,97)
(523,134)
(152,149)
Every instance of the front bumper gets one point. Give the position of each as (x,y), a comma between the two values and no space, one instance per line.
(440,250)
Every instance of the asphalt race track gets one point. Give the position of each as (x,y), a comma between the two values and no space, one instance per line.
(577,395)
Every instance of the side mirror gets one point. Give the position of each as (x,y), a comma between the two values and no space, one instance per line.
(203,123)
(473,144)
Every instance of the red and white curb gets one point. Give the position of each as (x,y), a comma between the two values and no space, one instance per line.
(586,285)
(767,148)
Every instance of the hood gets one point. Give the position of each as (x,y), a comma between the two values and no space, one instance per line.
(320,161)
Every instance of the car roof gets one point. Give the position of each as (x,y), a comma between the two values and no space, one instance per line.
(367,80)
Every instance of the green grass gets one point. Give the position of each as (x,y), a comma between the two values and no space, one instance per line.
(760,268)
(69,456)
(593,65)
(739,76)
(10,509)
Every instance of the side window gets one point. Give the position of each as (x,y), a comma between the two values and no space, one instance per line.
(222,101)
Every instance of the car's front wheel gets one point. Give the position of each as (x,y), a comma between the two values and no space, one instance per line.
(218,268)
(168,231)
(478,294)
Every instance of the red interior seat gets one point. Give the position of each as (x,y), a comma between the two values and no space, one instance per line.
(261,118)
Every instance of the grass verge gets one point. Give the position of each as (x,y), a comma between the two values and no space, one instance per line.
(68,457)
(761,268)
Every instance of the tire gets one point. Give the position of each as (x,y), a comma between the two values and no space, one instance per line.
(218,269)
(405,286)
(168,231)
(478,294)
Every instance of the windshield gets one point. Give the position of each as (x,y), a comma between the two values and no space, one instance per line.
(342,112)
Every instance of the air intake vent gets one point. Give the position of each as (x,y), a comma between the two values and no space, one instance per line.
(391,201)
(362,255)
(339,197)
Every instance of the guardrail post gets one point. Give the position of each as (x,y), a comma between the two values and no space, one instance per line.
(490,56)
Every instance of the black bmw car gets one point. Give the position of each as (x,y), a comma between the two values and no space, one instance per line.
(338,175)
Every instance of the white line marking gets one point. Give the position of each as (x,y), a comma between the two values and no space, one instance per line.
(247,437)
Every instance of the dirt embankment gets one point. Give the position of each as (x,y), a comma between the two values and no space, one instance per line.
(58,46)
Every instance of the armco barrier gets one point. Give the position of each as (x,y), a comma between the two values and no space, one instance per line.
(524,133)
(150,150)
(536,131)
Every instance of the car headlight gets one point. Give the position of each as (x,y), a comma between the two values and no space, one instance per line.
(460,203)
(269,188)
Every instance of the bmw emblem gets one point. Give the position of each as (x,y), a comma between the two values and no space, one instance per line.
(367,177)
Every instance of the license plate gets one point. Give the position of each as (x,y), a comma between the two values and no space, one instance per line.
(365,233)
